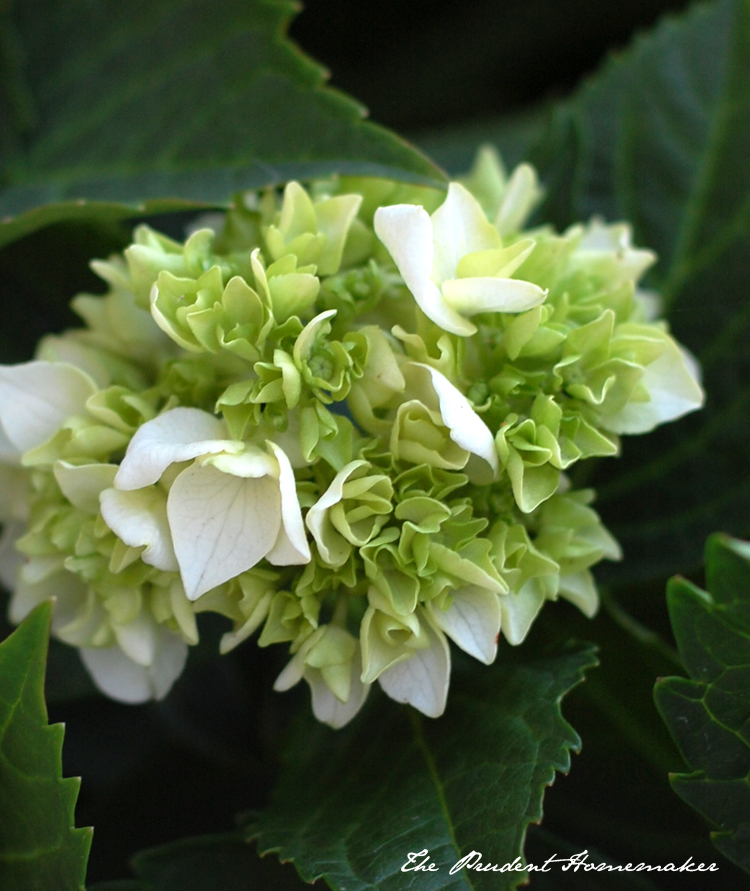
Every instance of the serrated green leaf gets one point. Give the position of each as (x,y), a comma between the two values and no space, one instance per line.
(351,805)
(661,138)
(170,100)
(39,848)
(709,715)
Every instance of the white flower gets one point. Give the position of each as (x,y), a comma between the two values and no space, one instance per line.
(422,676)
(465,428)
(232,506)
(454,263)
(609,247)
(672,386)
(36,398)
(330,661)
(472,621)
(145,659)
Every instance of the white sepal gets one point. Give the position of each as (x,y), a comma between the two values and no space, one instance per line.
(580,589)
(122,679)
(466,428)
(519,609)
(291,547)
(459,227)
(221,525)
(11,560)
(428,250)
(485,294)
(37,397)
(83,484)
(178,435)
(138,639)
(139,518)
(673,388)
(406,231)
(327,707)
(472,622)
(422,680)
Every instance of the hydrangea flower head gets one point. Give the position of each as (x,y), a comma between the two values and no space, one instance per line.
(342,420)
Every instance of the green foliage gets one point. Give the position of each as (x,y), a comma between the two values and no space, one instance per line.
(168,105)
(351,806)
(661,138)
(225,862)
(709,715)
(39,848)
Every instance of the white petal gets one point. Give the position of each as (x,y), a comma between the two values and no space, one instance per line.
(117,676)
(615,239)
(221,525)
(171,656)
(138,639)
(522,193)
(472,295)
(252,462)
(11,560)
(467,429)
(291,547)
(66,587)
(438,310)
(292,672)
(674,391)
(519,611)
(177,435)
(580,589)
(36,397)
(140,518)
(78,614)
(36,569)
(120,678)
(422,680)
(459,227)
(473,622)
(233,639)
(82,484)
(55,348)
(328,708)
(406,230)
(9,454)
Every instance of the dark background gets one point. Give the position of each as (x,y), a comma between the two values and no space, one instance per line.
(423,64)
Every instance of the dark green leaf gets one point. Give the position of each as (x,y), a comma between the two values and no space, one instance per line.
(514,135)
(352,804)
(224,862)
(39,848)
(661,137)
(543,845)
(171,99)
(709,715)
(617,802)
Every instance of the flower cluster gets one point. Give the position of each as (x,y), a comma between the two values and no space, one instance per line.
(340,417)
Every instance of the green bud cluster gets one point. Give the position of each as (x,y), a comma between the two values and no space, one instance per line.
(340,417)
